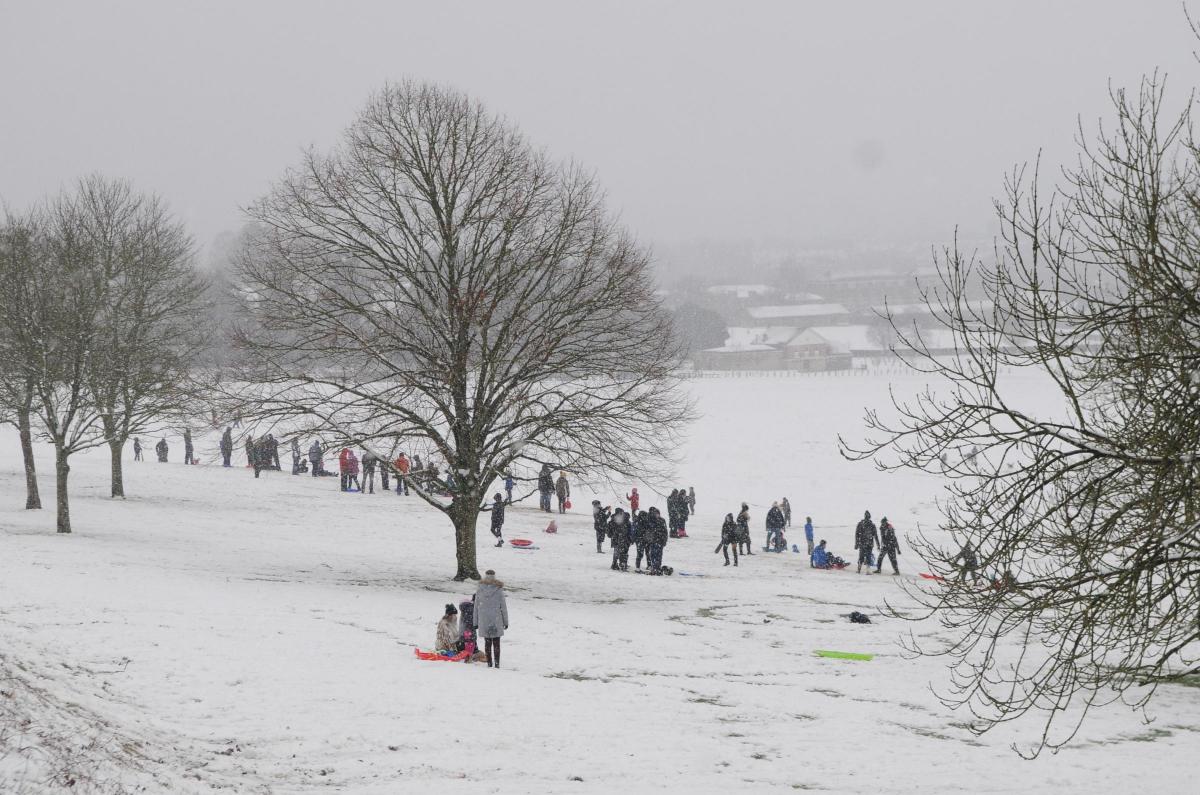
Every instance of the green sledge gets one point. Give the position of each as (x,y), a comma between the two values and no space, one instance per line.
(843,655)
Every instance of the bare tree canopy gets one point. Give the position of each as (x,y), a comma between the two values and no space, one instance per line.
(436,281)
(1083,522)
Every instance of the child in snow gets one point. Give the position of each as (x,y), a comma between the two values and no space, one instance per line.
(447,632)
(729,536)
(808,534)
(498,519)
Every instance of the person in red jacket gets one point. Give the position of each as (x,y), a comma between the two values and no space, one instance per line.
(344,467)
(634,501)
(402,467)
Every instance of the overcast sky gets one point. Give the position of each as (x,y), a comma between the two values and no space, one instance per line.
(877,123)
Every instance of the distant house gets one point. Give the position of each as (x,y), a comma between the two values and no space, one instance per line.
(800,314)
(741,291)
(774,348)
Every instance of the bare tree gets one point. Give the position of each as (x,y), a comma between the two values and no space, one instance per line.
(436,281)
(18,253)
(149,330)
(1082,519)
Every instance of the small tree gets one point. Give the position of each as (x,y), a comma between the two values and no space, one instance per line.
(1084,519)
(18,254)
(438,281)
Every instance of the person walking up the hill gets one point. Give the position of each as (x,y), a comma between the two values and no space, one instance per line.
(491,616)
(161,449)
(545,487)
(888,545)
(189,452)
(600,517)
(634,500)
(227,447)
(498,519)
(618,533)
(563,490)
(865,539)
(774,524)
(729,537)
(743,524)
(808,535)
(137,449)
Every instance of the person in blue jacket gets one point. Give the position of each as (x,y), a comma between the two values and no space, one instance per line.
(508,487)
(820,556)
(808,534)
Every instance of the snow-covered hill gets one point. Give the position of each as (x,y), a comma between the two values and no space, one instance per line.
(218,631)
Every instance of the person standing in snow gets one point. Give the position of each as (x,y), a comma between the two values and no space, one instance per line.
(296,458)
(865,539)
(249,450)
(509,483)
(188,451)
(344,468)
(673,513)
(743,524)
(352,471)
(137,449)
(600,516)
(970,563)
(641,538)
(545,487)
(618,533)
(634,500)
(161,449)
(808,535)
(888,545)
(786,507)
(226,447)
(658,541)
(272,451)
(447,631)
(681,514)
(498,519)
(563,490)
(774,524)
(691,500)
(402,468)
(491,616)
(729,537)
(369,460)
(315,454)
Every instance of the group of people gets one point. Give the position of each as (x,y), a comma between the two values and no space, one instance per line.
(646,531)
(484,615)
(162,449)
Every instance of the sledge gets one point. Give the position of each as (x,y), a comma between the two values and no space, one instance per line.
(832,567)
(690,574)
(843,655)
(434,656)
(934,577)
(520,542)
(527,548)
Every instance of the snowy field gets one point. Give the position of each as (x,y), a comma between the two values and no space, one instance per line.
(213,631)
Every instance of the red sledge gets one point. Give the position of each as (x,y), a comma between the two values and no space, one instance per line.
(520,542)
(933,577)
(435,657)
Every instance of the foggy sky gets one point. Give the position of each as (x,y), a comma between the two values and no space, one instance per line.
(882,122)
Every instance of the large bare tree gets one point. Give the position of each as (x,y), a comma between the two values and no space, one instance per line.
(1082,518)
(435,281)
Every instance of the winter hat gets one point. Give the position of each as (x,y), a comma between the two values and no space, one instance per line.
(497,497)
(866,514)
(490,572)
(451,610)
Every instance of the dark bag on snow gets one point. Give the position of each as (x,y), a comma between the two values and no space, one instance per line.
(859,618)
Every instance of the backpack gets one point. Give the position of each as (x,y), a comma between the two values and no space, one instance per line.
(858,618)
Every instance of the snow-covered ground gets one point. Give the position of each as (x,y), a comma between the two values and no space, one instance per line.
(217,631)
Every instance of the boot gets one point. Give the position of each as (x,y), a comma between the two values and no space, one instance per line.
(500,542)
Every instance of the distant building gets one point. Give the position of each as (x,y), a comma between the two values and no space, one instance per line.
(741,291)
(801,315)
(774,348)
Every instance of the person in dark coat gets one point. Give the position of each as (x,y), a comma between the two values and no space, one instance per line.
(272,451)
(315,454)
(775,523)
(562,490)
(865,539)
(249,450)
(189,452)
(226,447)
(970,563)
(743,524)
(161,449)
(888,545)
(786,507)
(260,455)
(296,457)
(682,512)
(509,483)
(673,513)
(619,532)
(137,449)
(491,616)
(600,517)
(498,519)
(658,541)
(641,538)
(729,537)
(545,487)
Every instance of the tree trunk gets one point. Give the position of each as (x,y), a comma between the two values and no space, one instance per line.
(61,468)
(33,499)
(116,447)
(464,539)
